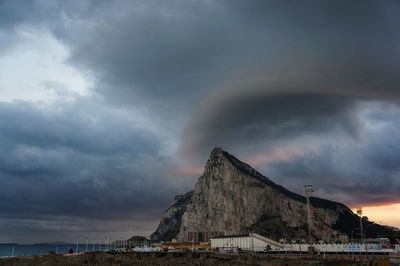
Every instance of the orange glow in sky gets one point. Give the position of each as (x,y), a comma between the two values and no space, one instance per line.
(385,214)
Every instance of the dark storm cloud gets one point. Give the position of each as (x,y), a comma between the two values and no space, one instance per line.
(153,54)
(83,130)
(356,173)
(158,51)
(174,49)
(260,71)
(251,117)
(343,175)
(332,55)
(174,55)
(80,162)
(13,12)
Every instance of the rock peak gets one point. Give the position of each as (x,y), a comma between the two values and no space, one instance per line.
(218,155)
(217,151)
(215,160)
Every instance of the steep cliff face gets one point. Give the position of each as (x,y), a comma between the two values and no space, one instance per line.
(171,219)
(233,198)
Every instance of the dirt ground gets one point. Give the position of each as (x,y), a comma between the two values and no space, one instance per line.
(174,259)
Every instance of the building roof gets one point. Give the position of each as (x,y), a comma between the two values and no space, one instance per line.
(230,236)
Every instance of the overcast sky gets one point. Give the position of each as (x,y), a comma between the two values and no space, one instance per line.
(108,109)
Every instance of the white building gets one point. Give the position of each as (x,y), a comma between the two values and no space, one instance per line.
(256,242)
(251,241)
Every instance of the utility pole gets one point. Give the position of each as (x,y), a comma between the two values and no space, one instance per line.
(359,212)
(308,190)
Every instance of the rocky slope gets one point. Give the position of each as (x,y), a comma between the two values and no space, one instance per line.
(171,219)
(233,198)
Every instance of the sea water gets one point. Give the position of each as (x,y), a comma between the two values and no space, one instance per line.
(6,250)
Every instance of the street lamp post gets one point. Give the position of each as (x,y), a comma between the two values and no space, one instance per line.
(308,190)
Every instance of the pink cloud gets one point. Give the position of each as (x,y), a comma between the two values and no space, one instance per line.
(275,155)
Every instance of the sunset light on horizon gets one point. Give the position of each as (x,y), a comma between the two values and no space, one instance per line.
(384,214)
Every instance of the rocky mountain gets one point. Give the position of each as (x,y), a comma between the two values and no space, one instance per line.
(233,198)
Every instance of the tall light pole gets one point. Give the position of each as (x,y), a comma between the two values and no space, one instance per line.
(359,212)
(308,190)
